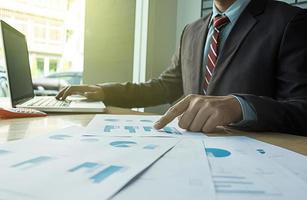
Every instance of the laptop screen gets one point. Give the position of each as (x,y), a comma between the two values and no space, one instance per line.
(17,62)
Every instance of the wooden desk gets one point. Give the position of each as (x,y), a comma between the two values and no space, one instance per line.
(15,129)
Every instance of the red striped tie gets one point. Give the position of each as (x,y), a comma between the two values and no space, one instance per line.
(218,22)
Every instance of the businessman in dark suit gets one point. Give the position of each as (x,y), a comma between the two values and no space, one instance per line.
(244,65)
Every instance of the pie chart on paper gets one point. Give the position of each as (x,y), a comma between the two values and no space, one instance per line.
(217,153)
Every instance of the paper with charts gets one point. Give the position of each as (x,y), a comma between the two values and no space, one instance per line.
(183,173)
(132,125)
(291,160)
(66,165)
(239,171)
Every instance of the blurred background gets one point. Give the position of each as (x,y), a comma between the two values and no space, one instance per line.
(72,42)
(55,35)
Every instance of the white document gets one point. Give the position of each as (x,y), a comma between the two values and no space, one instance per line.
(240,174)
(181,174)
(134,125)
(69,165)
(296,163)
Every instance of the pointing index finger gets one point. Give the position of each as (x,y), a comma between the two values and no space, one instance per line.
(173,112)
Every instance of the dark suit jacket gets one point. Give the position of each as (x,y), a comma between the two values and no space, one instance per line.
(264,60)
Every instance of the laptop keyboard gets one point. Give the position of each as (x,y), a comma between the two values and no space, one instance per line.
(47,102)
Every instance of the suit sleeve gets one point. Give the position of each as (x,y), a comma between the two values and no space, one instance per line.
(287,112)
(165,89)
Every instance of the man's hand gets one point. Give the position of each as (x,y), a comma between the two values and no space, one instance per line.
(203,113)
(92,92)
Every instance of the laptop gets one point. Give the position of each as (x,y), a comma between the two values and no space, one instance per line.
(20,81)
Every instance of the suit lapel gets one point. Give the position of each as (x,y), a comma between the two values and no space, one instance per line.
(199,41)
(244,25)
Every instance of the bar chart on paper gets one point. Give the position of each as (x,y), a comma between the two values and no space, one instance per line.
(234,180)
(239,172)
(93,167)
(105,173)
(231,181)
(128,144)
(33,162)
(129,126)
(138,129)
(101,171)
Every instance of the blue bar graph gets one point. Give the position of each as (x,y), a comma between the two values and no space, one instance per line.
(109,128)
(102,175)
(86,165)
(60,137)
(32,162)
(148,128)
(229,184)
(131,129)
(2,152)
(150,146)
(171,130)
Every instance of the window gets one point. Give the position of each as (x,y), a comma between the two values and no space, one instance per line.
(55,34)
(206,7)
(39,67)
(53,65)
(39,32)
(54,30)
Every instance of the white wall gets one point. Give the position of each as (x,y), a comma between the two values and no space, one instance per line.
(187,12)
(109,40)
(162,30)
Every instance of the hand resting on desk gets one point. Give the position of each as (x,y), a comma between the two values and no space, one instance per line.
(91,92)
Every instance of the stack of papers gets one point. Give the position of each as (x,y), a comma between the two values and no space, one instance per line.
(124,157)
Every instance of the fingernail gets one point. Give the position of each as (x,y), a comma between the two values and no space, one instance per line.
(157,125)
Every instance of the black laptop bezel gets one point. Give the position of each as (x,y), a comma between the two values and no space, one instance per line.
(26,97)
